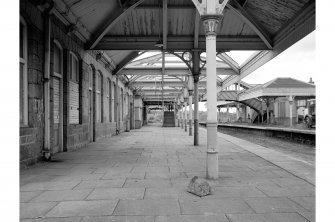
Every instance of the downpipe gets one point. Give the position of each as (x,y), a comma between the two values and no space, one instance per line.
(46,152)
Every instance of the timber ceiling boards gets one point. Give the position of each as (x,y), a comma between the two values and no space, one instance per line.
(123,28)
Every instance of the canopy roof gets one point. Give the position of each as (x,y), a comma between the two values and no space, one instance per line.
(280,87)
(123,29)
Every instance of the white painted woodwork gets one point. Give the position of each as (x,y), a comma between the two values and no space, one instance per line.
(56,100)
(73,103)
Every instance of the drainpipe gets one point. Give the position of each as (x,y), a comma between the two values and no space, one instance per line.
(117,106)
(46,152)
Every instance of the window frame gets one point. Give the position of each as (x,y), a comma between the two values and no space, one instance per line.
(90,78)
(102,97)
(60,75)
(71,56)
(24,61)
(122,102)
(108,99)
(114,102)
(74,56)
(98,96)
(109,95)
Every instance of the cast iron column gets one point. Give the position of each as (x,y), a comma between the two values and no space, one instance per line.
(185,115)
(196,111)
(190,114)
(210,24)
(290,98)
(196,73)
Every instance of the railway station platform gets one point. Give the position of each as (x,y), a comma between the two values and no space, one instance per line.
(142,175)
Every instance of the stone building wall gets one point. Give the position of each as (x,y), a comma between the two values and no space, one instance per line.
(74,135)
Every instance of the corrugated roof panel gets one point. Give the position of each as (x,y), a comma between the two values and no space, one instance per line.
(92,12)
(272,14)
(181,21)
(138,22)
(117,56)
(287,83)
(231,25)
(170,2)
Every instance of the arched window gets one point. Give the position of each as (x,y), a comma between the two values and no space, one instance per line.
(23,73)
(73,89)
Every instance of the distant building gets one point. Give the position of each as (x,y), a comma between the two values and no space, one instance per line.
(270,102)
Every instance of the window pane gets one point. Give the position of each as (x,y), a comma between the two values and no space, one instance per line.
(21,40)
(57,60)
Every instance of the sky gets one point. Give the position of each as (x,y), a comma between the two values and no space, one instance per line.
(297,62)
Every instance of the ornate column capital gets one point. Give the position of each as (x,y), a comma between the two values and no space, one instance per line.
(211,23)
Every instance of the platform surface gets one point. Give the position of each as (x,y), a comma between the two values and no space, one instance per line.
(143,175)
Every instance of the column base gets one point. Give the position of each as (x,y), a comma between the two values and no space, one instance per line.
(212,164)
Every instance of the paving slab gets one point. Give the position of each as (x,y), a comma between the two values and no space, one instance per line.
(49,186)
(27,196)
(273,205)
(192,218)
(63,195)
(147,207)
(117,193)
(306,202)
(278,191)
(119,219)
(148,183)
(83,208)
(68,219)
(275,217)
(143,176)
(214,206)
(100,184)
(310,216)
(119,175)
(34,210)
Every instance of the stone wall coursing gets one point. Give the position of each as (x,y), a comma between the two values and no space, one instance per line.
(104,130)
(30,146)
(31,136)
(138,124)
(75,135)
